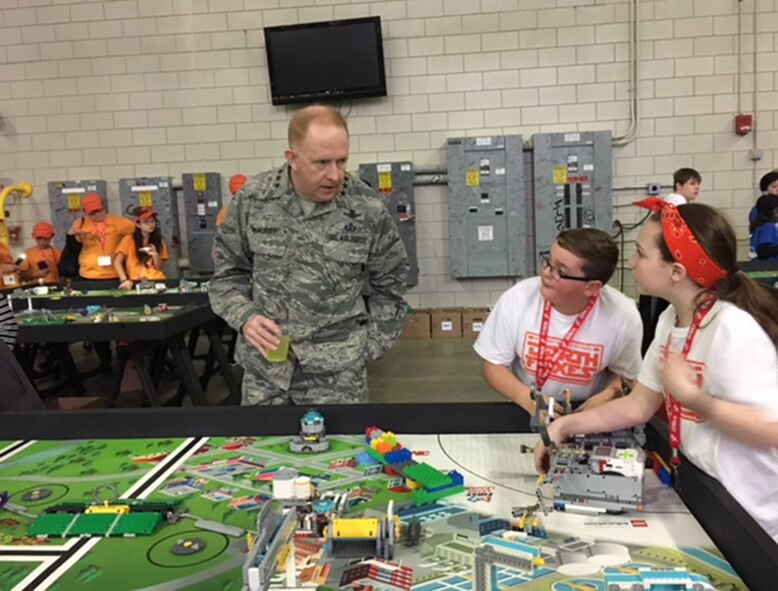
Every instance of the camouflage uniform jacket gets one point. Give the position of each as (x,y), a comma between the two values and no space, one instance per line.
(307,273)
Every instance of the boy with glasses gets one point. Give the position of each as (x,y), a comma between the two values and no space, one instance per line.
(564,330)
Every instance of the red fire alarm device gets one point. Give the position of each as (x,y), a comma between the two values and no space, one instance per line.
(744,124)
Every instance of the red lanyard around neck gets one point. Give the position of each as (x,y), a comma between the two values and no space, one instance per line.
(545,367)
(674,407)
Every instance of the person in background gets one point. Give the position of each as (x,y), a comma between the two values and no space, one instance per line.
(291,259)
(9,280)
(9,269)
(236,184)
(768,185)
(763,229)
(564,330)
(142,254)
(100,235)
(686,186)
(713,362)
(42,262)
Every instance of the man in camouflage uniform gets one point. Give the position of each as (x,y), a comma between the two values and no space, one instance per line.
(291,258)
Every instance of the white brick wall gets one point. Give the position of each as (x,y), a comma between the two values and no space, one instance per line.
(118,88)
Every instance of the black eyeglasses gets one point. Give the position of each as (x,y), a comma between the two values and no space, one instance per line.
(557,274)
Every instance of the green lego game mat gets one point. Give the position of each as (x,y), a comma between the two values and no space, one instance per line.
(217,486)
(45,317)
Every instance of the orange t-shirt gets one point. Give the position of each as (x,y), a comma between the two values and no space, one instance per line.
(50,256)
(99,243)
(135,269)
(8,280)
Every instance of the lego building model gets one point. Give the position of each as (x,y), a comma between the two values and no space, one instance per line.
(646,579)
(125,517)
(312,437)
(592,473)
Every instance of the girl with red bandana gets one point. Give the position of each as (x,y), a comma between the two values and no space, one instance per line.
(713,362)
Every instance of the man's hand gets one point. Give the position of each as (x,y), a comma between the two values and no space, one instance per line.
(681,381)
(262,333)
(8,268)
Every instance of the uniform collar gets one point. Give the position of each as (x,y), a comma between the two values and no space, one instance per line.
(289,199)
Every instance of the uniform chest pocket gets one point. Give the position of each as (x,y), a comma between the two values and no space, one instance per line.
(347,252)
(268,244)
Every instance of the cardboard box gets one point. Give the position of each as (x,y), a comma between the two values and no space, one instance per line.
(418,325)
(447,323)
(473,321)
(76,402)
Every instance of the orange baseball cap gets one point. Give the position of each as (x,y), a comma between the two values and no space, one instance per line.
(92,202)
(43,230)
(237,182)
(146,214)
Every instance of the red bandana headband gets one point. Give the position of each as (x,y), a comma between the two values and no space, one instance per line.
(683,245)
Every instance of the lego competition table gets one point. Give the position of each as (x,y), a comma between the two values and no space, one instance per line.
(139,330)
(80,294)
(196,482)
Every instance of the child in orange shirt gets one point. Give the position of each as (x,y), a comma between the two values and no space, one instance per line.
(100,234)
(42,260)
(143,254)
(9,270)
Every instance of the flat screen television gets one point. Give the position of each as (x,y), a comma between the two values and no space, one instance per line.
(325,61)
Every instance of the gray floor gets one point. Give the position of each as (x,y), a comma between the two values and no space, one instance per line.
(413,371)
(429,370)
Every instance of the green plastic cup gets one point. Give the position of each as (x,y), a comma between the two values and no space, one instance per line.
(280,353)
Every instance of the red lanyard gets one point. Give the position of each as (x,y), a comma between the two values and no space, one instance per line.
(545,367)
(101,229)
(674,407)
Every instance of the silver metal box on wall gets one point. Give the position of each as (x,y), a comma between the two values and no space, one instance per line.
(202,203)
(394,183)
(487,207)
(65,199)
(573,184)
(156,192)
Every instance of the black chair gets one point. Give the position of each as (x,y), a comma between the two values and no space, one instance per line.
(17,393)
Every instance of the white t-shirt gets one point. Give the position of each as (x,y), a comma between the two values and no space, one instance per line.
(676,199)
(609,340)
(737,361)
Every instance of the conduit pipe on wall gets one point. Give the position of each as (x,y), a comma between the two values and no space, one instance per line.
(634,76)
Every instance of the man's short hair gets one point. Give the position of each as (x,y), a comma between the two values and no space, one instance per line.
(322,114)
(684,175)
(597,248)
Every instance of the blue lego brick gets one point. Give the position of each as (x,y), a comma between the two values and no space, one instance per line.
(365,459)
(399,456)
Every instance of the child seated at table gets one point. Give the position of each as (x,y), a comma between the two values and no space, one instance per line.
(143,254)
(763,228)
(42,260)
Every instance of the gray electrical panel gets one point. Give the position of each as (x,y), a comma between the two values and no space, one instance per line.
(156,192)
(394,183)
(573,184)
(202,203)
(487,210)
(65,199)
